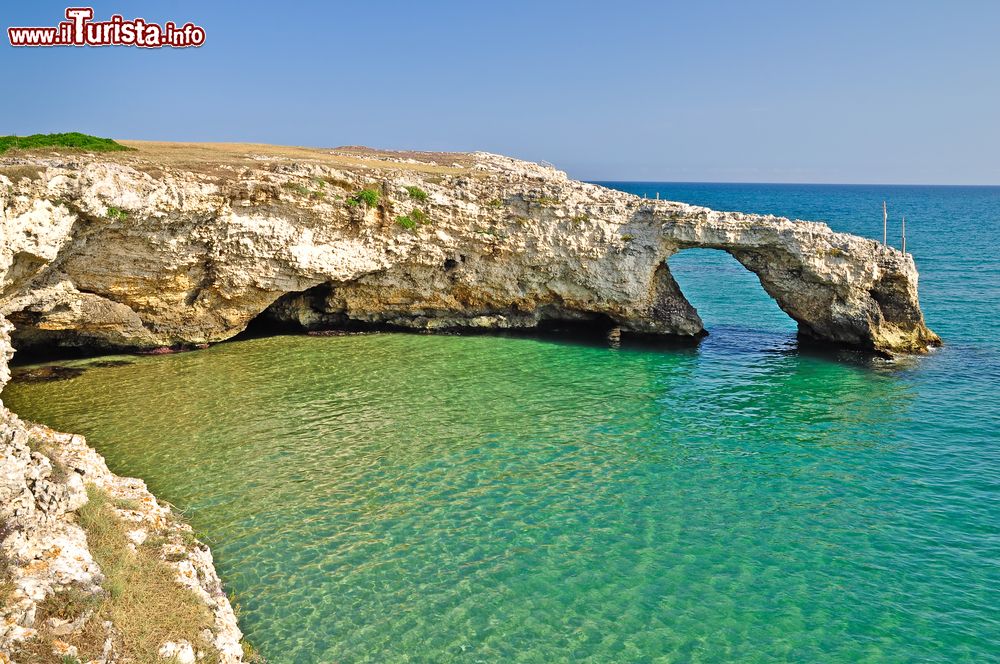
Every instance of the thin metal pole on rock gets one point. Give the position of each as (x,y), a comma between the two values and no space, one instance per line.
(904,234)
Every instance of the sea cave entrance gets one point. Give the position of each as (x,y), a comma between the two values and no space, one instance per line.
(733,305)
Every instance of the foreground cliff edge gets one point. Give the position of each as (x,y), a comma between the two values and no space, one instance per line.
(182,245)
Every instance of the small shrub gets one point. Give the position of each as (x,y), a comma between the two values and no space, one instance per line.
(547,201)
(116,213)
(369,197)
(580,218)
(627,237)
(412,220)
(188,538)
(494,203)
(68,604)
(836,252)
(417,193)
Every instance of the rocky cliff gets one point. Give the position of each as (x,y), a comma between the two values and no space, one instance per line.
(54,604)
(169,246)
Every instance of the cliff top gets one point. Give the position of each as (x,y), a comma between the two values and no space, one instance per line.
(221,159)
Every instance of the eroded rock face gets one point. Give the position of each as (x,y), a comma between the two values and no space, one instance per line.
(45,551)
(98,252)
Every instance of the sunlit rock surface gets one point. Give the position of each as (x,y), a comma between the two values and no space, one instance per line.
(147,249)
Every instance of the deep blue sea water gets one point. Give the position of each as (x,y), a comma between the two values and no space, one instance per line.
(410,498)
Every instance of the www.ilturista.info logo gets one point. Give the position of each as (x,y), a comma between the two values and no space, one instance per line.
(81,30)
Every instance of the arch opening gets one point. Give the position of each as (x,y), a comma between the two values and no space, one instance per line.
(728,297)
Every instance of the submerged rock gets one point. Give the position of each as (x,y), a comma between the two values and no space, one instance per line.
(340,333)
(106,364)
(45,374)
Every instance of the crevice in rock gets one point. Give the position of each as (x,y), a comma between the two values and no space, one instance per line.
(318,310)
(207,280)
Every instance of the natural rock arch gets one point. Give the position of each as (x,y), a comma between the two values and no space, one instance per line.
(837,287)
(506,244)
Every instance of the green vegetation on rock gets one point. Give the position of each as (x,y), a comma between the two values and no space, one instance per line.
(417,193)
(369,197)
(116,213)
(73,140)
(412,220)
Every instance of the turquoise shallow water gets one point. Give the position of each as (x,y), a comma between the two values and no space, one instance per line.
(397,497)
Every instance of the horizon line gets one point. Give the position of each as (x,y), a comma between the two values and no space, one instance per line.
(817,184)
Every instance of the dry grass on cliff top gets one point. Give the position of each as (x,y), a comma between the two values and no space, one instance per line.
(222,159)
(199,156)
(141,598)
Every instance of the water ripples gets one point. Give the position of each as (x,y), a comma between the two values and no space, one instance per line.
(398,498)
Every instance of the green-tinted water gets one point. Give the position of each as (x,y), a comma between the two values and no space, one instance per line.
(398,498)
(489,499)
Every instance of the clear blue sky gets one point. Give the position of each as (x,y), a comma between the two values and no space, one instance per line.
(882,92)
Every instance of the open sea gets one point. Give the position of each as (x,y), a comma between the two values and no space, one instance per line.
(411,498)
